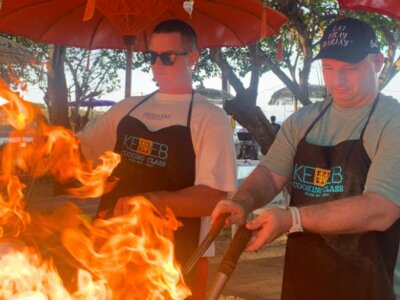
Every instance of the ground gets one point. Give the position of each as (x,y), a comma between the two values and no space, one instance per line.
(257,275)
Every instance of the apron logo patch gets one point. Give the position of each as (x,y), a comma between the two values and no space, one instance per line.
(321,176)
(318,182)
(144,147)
(144,152)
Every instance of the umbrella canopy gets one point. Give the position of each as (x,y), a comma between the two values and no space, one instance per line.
(218,97)
(218,23)
(284,96)
(14,53)
(390,8)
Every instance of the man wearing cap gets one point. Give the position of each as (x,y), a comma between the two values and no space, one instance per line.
(341,159)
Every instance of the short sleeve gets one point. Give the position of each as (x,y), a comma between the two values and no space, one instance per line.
(279,158)
(100,136)
(384,172)
(215,159)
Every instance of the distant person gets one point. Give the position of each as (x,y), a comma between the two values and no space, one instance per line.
(176,147)
(275,126)
(342,160)
(248,146)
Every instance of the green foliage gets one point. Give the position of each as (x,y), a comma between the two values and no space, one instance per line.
(93,72)
(205,67)
(307,20)
(381,24)
(30,74)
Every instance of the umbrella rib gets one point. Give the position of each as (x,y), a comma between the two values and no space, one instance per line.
(51,25)
(60,19)
(233,6)
(197,10)
(220,21)
(22,7)
(92,36)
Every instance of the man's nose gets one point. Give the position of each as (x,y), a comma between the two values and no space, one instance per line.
(158,62)
(340,77)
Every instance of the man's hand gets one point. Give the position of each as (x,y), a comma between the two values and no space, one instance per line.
(268,226)
(124,205)
(234,209)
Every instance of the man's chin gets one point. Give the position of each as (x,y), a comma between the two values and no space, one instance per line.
(344,95)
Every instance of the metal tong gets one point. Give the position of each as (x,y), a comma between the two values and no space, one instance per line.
(211,235)
(228,263)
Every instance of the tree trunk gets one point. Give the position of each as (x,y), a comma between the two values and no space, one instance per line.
(243,107)
(253,119)
(57,93)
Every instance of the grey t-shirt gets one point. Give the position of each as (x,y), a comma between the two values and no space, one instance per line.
(381,141)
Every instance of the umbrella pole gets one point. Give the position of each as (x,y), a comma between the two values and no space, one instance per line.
(129,41)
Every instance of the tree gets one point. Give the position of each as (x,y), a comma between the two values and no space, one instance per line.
(56,96)
(68,74)
(92,73)
(18,76)
(299,38)
(89,74)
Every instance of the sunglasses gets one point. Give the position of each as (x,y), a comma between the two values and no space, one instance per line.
(167,58)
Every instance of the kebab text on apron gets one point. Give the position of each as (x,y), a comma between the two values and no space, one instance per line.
(318,182)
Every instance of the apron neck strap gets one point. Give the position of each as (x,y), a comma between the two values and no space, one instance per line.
(369,116)
(152,94)
(141,102)
(330,103)
(318,118)
(190,110)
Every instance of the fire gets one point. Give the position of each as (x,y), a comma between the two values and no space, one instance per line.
(47,284)
(133,253)
(61,255)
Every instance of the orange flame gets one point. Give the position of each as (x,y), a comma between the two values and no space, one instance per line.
(40,280)
(13,218)
(53,150)
(134,253)
(60,255)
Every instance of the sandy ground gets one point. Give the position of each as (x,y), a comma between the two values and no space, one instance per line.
(257,275)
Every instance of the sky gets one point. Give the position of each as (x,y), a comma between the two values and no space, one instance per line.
(142,84)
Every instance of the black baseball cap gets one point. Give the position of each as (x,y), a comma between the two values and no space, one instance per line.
(348,40)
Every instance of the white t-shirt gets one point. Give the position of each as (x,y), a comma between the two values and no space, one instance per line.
(210,129)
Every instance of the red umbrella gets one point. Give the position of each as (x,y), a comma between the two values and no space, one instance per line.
(390,8)
(218,23)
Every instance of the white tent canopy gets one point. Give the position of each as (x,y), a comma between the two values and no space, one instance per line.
(14,53)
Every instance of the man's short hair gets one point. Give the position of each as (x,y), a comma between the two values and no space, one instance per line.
(273,118)
(188,34)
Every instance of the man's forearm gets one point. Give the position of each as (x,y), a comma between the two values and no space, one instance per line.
(259,189)
(369,212)
(194,201)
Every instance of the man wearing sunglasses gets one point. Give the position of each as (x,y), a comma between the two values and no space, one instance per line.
(176,147)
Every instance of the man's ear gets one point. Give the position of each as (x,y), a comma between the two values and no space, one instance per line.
(194,56)
(379,59)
